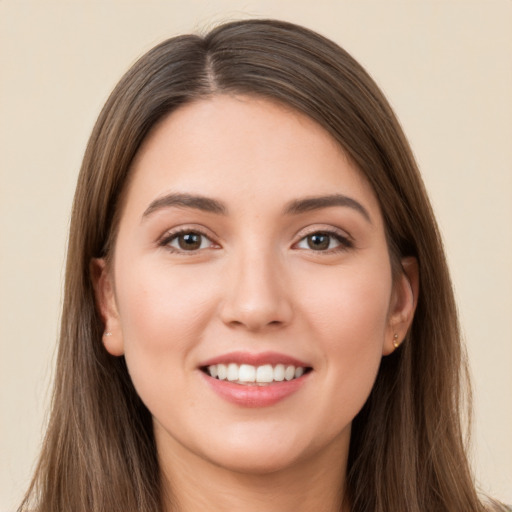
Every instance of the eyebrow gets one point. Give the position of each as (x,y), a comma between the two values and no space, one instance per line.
(196,202)
(295,207)
(316,203)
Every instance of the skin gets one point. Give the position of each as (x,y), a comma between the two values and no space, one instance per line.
(253,285)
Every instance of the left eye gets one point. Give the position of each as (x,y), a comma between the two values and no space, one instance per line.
(188,241)
(321,241)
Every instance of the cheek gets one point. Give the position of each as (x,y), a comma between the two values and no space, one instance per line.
(351,304)
(163,315)
(348,316)
(159,306)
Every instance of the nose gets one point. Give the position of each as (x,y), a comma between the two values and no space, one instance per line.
(256,297)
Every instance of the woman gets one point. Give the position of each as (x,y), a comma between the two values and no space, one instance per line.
(257,309)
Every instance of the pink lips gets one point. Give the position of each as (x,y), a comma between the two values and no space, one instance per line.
(272,358)
(254,395)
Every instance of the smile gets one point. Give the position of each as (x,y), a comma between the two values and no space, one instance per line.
(247,374)
(255,380)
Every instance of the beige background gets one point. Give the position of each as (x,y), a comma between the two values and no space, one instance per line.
(447,69)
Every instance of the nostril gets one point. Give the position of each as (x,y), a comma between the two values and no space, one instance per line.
(254,324)
(255,308)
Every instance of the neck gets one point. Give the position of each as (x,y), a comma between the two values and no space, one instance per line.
(192,483)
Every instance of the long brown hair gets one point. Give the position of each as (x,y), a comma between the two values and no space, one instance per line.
(407,452)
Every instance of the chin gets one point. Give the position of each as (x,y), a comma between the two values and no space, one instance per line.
(255,460)
(270,450)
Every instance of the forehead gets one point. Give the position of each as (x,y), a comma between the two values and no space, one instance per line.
(243,148)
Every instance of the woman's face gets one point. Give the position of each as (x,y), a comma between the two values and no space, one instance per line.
(250,251)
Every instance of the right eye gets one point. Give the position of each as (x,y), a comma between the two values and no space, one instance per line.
(325,241)
(187,241)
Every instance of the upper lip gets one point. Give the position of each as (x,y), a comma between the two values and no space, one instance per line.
(255,359)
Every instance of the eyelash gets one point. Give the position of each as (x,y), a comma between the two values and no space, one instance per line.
(345,243)
(174,235)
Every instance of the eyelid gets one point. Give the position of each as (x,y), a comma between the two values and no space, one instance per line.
(323,228)
(345,240)
(170,234)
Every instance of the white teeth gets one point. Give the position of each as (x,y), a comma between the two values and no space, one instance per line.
(222,371)
(232,372)
(265,373)
(247,373)
(279,372)
(289,373)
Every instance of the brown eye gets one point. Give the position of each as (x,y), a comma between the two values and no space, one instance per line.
(188,241)
(319,241)
(324,241)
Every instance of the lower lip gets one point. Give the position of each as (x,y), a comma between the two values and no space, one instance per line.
(254,395)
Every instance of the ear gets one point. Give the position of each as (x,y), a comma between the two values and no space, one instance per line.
(104,293)
(403,305)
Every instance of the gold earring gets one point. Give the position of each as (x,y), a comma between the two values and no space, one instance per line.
(396,343)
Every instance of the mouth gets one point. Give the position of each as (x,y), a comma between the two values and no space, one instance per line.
(252,375)
(255,379)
